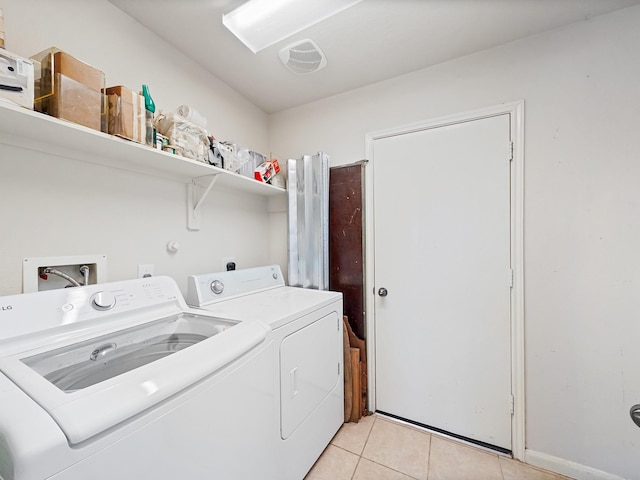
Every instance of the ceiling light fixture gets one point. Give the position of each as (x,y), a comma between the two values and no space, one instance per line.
(261,23)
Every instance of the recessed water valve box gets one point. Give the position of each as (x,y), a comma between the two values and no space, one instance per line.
(49,273)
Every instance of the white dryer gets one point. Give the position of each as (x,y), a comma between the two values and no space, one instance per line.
(307,329)
(123,380)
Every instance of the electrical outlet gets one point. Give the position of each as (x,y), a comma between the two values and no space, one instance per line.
(145,271)
(226,263)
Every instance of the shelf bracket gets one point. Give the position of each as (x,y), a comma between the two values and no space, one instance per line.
(194,202)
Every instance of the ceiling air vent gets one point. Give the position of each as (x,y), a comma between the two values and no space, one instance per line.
(303,57)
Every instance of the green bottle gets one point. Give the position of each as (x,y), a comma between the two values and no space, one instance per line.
(150,108)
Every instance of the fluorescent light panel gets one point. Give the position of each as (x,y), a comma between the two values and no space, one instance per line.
(261,23)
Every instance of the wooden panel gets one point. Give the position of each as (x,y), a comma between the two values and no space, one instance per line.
(346,250)
(359,400)
(348,378)
(356,411)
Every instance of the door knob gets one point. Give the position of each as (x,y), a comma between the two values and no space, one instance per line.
(635,414)
(383,292)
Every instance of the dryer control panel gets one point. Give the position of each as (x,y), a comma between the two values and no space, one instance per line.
(210,288)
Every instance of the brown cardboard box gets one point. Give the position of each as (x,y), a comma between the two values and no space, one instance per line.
(78,71)
(73,101)
(126,113)
(54,61)
(1,29)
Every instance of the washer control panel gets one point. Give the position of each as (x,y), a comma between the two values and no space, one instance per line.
(32,312)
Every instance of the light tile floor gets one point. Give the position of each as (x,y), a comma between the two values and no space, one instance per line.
(379,448)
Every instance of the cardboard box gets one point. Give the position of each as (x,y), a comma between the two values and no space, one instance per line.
(1,29)
(126,116)
(16,79)
(73,101)
(265,172)
(69,89)
(79,71)
(54,61)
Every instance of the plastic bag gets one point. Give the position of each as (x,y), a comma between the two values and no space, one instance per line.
(189,139)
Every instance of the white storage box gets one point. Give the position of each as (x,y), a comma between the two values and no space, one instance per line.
(16,79)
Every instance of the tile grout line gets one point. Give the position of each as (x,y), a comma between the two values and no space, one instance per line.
(375,419)
(501,471)
(359,455)
(413,428)
(356,469)
(364,446)
(393,469)
(380,464)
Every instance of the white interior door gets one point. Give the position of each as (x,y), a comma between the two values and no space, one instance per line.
(442,252)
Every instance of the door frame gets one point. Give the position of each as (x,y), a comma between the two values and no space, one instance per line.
(516,112)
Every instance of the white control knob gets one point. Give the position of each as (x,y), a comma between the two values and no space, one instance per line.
(217,287)
(103,300)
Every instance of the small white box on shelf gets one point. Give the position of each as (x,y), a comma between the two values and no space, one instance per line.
(16,79)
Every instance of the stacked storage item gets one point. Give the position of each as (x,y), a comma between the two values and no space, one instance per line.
(126,117)
(185,138)
(69,89)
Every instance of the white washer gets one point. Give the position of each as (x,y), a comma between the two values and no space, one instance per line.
(123,380)
(307,329)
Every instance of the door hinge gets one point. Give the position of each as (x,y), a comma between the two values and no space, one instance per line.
(512,402)
(510,278)
(510,151)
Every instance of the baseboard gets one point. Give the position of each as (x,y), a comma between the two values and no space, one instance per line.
(566,467)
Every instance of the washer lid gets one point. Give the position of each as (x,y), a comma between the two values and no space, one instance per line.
(90,405)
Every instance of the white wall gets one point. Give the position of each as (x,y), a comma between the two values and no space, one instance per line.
(582,216)
(52,206)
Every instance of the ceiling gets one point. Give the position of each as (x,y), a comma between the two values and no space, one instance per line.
(369,42)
